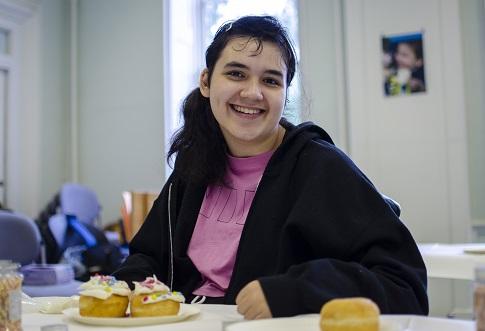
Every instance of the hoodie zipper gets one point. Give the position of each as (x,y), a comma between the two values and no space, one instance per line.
(170,236)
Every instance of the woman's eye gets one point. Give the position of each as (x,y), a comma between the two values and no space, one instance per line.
(235,74)
(272,82)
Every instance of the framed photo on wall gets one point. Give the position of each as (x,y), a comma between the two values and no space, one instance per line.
(403,64)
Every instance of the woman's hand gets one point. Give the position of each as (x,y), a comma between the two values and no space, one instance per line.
(251,302)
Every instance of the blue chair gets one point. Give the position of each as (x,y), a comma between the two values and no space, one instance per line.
(80,201)
(20,242)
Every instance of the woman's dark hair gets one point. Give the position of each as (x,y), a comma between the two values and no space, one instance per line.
(199,144)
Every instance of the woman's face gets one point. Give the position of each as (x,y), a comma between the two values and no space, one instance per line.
(247,95)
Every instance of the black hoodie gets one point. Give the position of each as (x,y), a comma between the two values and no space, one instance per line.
(317,229)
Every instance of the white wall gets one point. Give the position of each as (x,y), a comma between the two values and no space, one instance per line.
(321,66)
(473,32)
(54,98)
(412,147)
(120,98)
(36,156)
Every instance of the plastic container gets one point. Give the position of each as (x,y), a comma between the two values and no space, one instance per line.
(10,296)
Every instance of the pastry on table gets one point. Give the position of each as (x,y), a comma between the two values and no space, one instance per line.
(356,314)
(104,296)
(153,298)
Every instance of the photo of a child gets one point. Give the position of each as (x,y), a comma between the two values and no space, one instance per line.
(403,64)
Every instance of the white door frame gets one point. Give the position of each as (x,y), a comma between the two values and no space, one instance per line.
(13,14)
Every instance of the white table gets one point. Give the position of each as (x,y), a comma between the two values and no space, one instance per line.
(218,317)
(388,322)
(452,261)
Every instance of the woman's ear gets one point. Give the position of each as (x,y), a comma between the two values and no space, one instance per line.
(204,83)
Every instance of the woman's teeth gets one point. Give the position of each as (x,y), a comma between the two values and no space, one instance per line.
(250,111)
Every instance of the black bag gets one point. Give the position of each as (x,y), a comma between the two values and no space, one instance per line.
(85,247)
(101,259)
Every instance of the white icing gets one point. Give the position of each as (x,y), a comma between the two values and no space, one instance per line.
(150,285)
(157,297)
(100,294)
(102,287)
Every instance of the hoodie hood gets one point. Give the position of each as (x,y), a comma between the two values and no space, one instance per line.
(304,132)
(295,139)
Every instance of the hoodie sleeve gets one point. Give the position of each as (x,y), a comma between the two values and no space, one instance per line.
(149,247)
(350,243)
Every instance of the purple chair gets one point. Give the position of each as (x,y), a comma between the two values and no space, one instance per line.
(20,242)
(79,201)
(19,238)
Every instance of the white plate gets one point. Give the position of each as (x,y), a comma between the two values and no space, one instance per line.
(307,323)
(185,312)
(55,305)
(476,249)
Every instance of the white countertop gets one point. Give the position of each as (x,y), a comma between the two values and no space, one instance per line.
(452,261)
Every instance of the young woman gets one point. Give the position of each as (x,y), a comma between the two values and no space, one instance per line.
(264,214)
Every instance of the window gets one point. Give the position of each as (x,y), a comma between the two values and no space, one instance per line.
(191,27)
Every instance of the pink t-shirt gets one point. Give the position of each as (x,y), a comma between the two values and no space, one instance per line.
(216,235)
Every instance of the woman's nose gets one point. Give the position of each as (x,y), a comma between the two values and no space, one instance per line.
(252,90)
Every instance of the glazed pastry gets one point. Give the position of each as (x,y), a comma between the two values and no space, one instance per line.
(356,314)
(104,296)
(153,298)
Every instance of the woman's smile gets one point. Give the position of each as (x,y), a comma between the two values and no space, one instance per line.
(249,113)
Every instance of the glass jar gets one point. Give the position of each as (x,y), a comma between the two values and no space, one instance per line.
(479,298)
(10,296)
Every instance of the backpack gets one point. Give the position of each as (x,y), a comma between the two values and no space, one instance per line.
(84,246)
